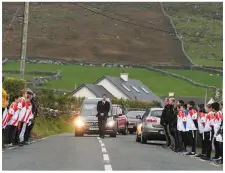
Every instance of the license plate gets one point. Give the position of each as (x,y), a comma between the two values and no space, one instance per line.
(162,132)
(93,128)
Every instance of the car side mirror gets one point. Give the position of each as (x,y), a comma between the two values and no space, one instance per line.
(138,117)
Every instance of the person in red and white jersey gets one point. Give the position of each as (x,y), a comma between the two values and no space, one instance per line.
(25,119)
(217,122)
(201,127)
(208,132)
(192,125)
(11,121)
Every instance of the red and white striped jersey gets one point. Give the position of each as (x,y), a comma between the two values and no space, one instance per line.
(23,107)
(12,115)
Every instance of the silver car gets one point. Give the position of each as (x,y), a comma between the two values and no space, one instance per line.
(150,127)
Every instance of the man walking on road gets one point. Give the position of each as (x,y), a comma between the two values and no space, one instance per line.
(103,109)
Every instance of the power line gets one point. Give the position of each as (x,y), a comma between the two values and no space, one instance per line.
(135,24)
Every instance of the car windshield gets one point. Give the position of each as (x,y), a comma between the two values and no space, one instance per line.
(89,109)
(133,114)
(156,113)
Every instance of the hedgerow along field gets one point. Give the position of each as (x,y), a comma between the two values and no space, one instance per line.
(76,75)
(201,25)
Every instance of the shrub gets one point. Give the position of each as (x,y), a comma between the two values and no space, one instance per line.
(135,103)
(13,86)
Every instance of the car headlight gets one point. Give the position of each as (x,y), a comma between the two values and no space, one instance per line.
(110,123)
(79,123)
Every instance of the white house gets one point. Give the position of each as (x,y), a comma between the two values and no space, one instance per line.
(118,87)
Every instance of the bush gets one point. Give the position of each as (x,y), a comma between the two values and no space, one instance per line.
(13,87)
(135,103)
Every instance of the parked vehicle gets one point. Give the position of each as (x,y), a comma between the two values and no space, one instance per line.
(150,128)
(119,113)
(87,122)
(134,118)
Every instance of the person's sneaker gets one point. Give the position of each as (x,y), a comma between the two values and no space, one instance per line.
(10,145)
(21,144)
(198,155)
(190,154)
(205,158)
(218,161)
(214,158)
(26,143)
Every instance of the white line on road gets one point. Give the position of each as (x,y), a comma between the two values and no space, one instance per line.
(104,150)
(98,138)
(105,157)
(108,167)
(102,145)
(100,141)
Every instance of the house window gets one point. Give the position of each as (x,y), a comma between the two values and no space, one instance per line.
(135,88)
(144,90)
(126,87)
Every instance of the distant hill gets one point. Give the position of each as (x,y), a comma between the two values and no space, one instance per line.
(62,30)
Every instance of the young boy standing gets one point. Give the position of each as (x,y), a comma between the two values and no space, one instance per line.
(192,125)
(208,132)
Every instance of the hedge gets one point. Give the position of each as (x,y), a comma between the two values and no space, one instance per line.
(13,87)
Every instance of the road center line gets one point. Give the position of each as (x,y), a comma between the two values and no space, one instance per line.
(100,141)
(102,145)
(108,167)
(104,150)
(98,137)
(105,157)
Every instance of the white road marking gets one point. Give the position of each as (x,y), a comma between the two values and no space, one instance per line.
(108,167)
(105,157)
(102,145)
(98,137)
(104,150)
(11,148)
(100,141)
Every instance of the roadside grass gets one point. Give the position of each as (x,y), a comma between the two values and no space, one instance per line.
(26,77)
(51,126)
(201,77)
(74,75)
(201,25)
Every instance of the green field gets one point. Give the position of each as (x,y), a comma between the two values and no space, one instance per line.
(26,77)
(201,24)
(77,75)
(201,77)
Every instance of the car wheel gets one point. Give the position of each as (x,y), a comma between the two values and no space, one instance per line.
(78,134)
(125,131)
(143,139)
(138,138)
(113,134)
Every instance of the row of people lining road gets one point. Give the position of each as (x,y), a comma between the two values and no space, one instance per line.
(18,118)
(182,122)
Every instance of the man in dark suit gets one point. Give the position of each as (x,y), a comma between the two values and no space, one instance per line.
(103,109)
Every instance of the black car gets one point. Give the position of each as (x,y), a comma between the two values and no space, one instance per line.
(87,122)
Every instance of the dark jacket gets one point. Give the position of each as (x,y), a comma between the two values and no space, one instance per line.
(163,120)
(170,117)
(34,107)
(103,108)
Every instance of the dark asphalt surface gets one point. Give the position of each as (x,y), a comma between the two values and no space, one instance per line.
(65,152)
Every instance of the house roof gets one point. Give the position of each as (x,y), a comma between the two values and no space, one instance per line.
(129,89)
(96,89)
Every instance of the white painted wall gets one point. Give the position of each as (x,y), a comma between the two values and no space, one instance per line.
(84,92)
(112,89)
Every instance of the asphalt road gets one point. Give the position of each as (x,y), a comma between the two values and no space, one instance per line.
(65,152)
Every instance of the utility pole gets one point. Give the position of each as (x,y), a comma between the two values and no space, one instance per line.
(24,39)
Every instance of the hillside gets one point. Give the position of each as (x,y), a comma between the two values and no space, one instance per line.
(63,30)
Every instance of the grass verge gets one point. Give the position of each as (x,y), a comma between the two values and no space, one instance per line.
(51,126)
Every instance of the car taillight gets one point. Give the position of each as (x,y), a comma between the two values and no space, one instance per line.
(151,120)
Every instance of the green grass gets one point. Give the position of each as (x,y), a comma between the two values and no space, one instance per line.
(205,19)
(52,126)
(157,82)
(201,77)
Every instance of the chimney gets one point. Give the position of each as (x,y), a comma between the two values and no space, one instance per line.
(124,76)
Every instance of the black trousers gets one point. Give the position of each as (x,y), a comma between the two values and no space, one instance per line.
(220,149)
(185,139)
(217,148)
(28,131)
(168,141)
(11,134)
(193,137)
(202,145)
(18,133)
(208,143)
(101,125)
